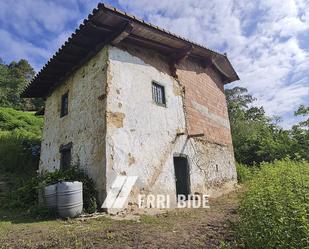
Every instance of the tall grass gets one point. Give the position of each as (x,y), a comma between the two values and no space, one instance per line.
(275,209)
(20,135)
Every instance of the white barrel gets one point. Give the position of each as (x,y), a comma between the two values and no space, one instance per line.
(50,196)
(69,199)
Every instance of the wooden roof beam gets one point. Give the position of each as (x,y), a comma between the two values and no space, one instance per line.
(100,27)
(122,33)
(206,63)
(178,56)
(181,54)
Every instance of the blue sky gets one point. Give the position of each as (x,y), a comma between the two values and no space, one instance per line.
(266,40)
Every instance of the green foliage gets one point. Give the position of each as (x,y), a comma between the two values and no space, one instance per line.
(245,173)
(257,138)
(274,211)
(13,79)
(224,245)
(300,134)
(12,120)
(20,134)
(25,193)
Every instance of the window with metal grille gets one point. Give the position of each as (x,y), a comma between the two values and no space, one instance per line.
(65,160)
(64,104)
(158,94)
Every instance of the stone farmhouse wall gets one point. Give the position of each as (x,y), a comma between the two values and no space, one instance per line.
(116,128)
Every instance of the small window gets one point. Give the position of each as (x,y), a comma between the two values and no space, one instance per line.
(65,160)
(158,94)
(64,104)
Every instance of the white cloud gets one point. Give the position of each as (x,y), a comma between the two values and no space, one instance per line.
(260,37)
(16,49)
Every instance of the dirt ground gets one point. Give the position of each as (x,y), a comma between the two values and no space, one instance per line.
(183,228)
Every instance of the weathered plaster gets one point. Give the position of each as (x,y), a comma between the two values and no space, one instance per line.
(117,129)
(148,132)
(84,125)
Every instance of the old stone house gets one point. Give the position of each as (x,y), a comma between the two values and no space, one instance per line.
(124,97)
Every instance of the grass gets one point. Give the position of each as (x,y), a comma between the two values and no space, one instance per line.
(20,135)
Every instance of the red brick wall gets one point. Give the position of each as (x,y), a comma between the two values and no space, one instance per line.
(205,103)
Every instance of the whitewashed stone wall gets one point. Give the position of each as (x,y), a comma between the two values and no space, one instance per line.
(141,136)
(116,129)
(84,125)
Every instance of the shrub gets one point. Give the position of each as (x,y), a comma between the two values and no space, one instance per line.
(274,210)
(25,194)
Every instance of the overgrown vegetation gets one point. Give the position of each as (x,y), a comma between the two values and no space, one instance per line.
(20,138)
(258,138)
(275,208)
(245,173)
(25,193)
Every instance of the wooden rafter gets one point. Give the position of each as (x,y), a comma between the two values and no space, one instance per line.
(122,33)
(181,54)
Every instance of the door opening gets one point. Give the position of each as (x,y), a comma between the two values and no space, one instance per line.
(182,175)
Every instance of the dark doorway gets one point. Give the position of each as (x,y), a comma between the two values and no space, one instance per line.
(182,175)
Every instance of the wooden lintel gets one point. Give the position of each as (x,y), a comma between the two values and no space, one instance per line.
(196,135)
(122,33)
(180,134)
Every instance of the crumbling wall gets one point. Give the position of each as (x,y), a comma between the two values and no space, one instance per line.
(140,134)
(84,125)
(141,137)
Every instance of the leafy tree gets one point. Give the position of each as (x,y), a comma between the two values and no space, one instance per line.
(256,137)
(300,134)
(13,79)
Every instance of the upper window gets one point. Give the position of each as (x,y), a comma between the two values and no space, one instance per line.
(158,94)
(64,104)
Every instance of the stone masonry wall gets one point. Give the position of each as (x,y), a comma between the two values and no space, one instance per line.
(141,137)
(84,125)
(117,129)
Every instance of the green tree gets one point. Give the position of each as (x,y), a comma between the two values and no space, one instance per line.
(256,137)
(300,134)
(13,79)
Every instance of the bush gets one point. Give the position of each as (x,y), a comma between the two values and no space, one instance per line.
(274,210)
(26,194)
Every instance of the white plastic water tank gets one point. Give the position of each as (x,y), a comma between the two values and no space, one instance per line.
(50,196)
(69,199)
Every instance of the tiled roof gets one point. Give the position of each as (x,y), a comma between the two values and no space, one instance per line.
(107,25)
